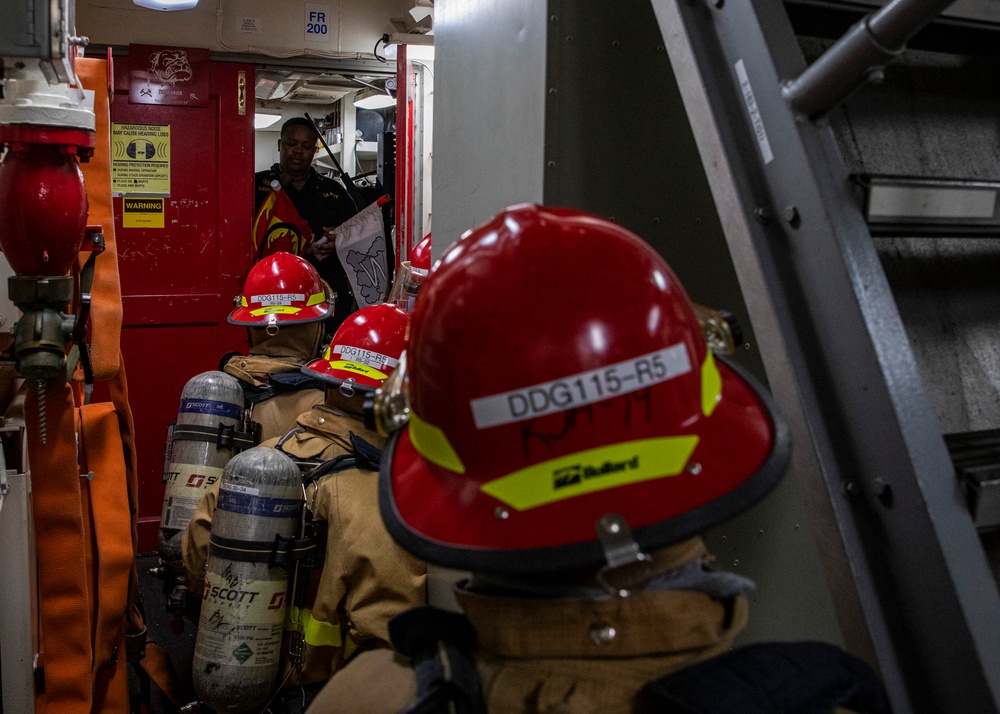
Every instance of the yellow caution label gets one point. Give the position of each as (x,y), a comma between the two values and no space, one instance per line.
(142,213)
(362,369)
(592,470)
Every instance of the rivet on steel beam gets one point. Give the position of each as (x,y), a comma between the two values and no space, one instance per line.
(883,492)
(554,18)
(791,216)
(762,214)
(552,90)
(601,633)
(852,489)
(551,164)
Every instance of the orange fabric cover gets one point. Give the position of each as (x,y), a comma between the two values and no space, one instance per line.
(63,593)
(106,307)
(86,529)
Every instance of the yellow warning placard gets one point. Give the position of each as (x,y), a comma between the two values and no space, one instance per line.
(142,212)
(140,159)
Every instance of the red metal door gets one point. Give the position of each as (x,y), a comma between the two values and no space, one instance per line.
(178,281)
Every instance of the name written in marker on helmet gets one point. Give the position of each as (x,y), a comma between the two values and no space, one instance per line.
(582,388)
(542,435)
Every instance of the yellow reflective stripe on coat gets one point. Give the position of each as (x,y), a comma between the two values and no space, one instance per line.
(316,632)
(711,384)
(432,443)
(593,470)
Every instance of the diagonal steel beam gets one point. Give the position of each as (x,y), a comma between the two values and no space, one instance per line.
(867,444)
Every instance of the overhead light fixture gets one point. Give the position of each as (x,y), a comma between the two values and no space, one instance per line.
(265,120)
(374,99)
(166,5)
(920,207)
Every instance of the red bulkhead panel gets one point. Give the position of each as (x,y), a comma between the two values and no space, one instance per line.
(185,163)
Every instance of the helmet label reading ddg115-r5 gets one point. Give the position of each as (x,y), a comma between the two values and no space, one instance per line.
(368,357)
(583,388)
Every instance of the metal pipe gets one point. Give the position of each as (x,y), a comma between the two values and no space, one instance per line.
(859,56)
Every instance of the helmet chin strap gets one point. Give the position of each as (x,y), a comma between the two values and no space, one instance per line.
(627,568)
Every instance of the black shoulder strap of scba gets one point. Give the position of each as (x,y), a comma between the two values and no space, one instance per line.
(278,384)
(365,456)
(440,644)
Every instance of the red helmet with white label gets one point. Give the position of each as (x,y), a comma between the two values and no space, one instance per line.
(420,255)
(539,406)
(281,289)
(364,351)
(411,275)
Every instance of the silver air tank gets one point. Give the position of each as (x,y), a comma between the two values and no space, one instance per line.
(208,400)
(238,647)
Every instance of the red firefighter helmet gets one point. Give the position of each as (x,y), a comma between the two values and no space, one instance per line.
(420,255)
(539,406)
(365,349)
(411,275)
(281,289)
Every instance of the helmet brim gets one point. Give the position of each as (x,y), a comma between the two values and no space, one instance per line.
(244,316)
(320,369)
(413,495)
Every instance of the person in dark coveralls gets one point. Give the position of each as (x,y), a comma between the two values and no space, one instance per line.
(322,202)
(568,450)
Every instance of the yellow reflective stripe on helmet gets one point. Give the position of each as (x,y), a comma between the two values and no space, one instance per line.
(243,301)
(431,443)
(275,310)
(315,632)
(361,369)
(711,385)
(316,299)
(592,470)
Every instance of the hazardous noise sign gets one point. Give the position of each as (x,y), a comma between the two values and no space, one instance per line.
(140,159)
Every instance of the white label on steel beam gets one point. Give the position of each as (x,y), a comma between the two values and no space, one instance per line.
(758,123)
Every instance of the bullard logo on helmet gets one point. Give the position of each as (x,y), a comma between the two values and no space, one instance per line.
(572,475)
